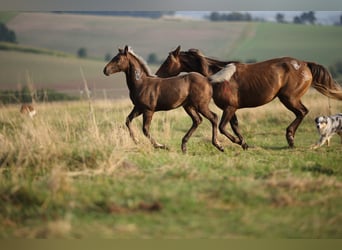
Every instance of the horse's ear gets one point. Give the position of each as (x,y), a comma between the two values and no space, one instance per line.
(120,50)
(126,50)
(176,51)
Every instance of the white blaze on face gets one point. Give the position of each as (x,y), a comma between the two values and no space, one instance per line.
(321,123)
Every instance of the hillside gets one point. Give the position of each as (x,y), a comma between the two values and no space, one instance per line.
(321,44)
(102,35)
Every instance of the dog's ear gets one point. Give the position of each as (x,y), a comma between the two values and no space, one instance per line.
(316,119)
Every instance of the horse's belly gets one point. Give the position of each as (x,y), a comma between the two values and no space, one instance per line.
(224,95)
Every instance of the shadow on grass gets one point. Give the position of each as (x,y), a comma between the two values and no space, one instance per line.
(318,169)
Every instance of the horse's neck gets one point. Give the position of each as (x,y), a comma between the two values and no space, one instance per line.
(134,77)
(189,66)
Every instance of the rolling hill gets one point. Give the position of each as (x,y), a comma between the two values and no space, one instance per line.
(102,35)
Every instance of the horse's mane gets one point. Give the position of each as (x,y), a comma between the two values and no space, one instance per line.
(207,62)
(142,62)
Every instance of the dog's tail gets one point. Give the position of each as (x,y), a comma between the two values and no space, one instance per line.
(323,82)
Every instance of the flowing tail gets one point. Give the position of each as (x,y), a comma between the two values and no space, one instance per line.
(323,81)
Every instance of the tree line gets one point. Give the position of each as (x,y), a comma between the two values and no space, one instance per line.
(304,18)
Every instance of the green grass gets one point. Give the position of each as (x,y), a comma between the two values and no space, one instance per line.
(65,176)
(6,16)
(307,42)
(61,73)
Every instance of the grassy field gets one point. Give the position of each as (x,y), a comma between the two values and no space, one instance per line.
(307,42)
(224,40)
(104,34)
(70,173)
(47,36)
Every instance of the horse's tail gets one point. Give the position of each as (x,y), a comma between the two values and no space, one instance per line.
(224,74)
(323,81)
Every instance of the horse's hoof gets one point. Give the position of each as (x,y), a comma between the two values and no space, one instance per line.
(245,146)
(183,149)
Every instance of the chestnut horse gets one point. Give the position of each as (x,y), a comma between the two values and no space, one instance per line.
(238,85)
(149,94)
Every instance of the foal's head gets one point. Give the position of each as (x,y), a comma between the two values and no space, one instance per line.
(118,63)
(126,59)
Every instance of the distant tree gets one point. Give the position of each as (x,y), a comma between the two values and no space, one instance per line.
(308,17)
(108,57)
(215,16)
(305,17)
(280,18)
(6,34)
(297,20)
(340,19)
(152,58)
(233,16)
(82,52)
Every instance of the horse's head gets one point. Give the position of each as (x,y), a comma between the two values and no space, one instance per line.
(171,66)
(118,63)
(183,61)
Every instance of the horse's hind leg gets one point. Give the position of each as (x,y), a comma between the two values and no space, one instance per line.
(196,120)
(228,116)
(134,113)
(234,123)
(297,107)
(212,117)
(147,118)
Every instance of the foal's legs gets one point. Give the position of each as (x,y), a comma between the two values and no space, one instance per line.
(212,117)
(147,118)
(134,113)
(229,116)
(196,120)
(297,107)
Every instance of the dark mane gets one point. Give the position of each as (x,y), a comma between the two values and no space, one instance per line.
(204,62)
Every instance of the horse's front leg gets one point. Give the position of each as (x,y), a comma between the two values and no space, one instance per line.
(234,123)
(134,113)
(227,116)
(147,118)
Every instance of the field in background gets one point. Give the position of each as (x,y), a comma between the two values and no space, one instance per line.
(306,42)
(104,34)
(71,173)
(50,33)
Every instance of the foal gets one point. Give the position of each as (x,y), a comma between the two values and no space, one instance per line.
(150,94)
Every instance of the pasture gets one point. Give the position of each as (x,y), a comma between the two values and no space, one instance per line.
(224,40)
(306,42)
(73,173)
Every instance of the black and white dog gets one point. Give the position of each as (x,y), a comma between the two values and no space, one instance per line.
(327,126)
